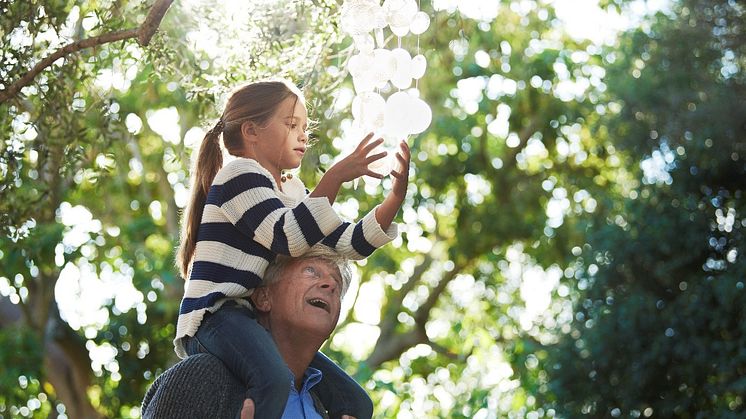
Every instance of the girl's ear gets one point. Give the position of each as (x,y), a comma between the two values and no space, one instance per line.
(248,130)
(260,297)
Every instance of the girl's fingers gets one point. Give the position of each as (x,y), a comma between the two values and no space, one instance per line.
(405,149)
(374,174)
(375,157)
(371,145)
(365,140)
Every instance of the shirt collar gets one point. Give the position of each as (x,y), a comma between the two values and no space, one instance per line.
(311,377)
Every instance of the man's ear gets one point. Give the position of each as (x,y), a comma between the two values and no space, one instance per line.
(249,130)
(260,297)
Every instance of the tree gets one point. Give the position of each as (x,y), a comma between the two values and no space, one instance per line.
(657,327)
(534,146)
(90,185)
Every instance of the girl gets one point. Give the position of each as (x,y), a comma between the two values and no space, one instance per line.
(243,214)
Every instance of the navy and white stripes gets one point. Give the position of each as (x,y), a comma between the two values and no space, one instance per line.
(246,222)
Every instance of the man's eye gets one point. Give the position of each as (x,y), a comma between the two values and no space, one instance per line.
(309,270)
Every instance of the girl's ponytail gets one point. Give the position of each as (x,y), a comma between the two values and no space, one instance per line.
(209,161)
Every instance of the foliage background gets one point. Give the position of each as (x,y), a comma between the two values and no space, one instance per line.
(573,234)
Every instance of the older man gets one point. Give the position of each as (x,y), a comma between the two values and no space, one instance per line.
(299,305)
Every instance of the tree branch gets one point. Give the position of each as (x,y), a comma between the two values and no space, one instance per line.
(143,34)
(392,348)
(391,345)
(392,307)
(423,312)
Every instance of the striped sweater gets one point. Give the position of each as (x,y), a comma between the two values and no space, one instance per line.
(246,222)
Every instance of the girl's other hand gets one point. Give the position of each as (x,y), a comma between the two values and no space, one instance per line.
(401,177)
(356,164)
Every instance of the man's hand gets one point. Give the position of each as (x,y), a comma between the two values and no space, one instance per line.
(247,412)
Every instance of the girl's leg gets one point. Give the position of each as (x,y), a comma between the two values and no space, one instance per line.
(233,335)
(339,393)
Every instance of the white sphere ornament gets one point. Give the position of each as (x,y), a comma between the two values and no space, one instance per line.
(400,30)
(399,13)
(396,115)
(418,66)
(368,109)
(384,65)
(361,16)
(384,165)
(401,80)
(420,23)
(364,43)
(402,77)
(421,116)
(365,82)
(360,64)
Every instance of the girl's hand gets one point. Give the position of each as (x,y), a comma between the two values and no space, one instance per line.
(386,212)
(349,168)
(356,164)
(401,177)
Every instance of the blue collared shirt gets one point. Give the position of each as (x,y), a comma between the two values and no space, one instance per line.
(300,405)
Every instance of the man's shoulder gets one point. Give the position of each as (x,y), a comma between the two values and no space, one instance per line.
(199,386)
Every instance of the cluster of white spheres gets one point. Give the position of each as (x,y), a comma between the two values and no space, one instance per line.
(373,67)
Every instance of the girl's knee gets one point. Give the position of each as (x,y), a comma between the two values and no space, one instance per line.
(279,382)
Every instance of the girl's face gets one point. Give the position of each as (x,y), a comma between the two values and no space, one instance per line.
(282,142)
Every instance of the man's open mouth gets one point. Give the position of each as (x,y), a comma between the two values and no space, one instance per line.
(317,302)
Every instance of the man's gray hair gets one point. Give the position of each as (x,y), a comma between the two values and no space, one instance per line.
(319,251)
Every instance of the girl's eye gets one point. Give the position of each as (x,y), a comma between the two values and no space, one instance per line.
(292,126)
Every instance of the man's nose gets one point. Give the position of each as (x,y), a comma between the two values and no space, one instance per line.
(327,282)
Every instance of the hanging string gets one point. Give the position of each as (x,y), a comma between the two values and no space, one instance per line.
(417,80)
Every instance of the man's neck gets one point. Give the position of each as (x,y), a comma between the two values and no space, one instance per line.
(298,352)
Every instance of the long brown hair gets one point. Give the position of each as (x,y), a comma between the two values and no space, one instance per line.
(254,102)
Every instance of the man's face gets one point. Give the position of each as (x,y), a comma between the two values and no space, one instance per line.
(307,297)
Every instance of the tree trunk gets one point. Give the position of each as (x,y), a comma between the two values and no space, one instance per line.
(66,362)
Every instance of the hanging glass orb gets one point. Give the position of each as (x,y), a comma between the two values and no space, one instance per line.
(364,43)
(402,77)
(368,108)
(361,16)
(384,65)
(382,166)
(365,82)
(400,30)
(396,115)
(421,115)
(399,13)
(418,66)
(360,63)
(420,23)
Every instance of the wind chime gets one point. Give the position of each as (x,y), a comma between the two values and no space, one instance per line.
(377,70)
